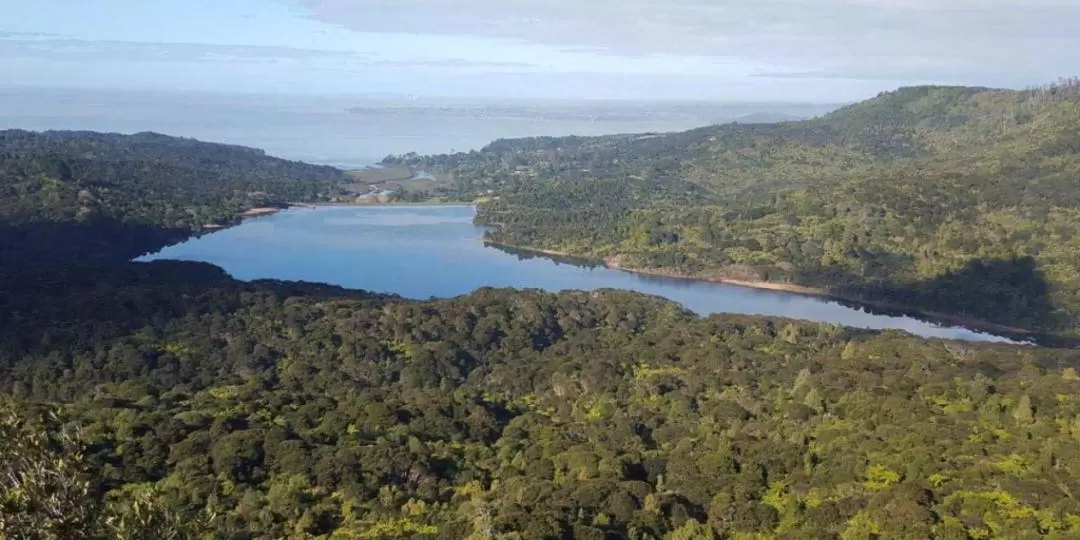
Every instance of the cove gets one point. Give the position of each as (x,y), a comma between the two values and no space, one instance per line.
(422,252)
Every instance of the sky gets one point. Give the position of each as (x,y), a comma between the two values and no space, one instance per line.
(732,50)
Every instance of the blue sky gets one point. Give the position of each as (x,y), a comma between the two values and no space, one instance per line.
(791,50)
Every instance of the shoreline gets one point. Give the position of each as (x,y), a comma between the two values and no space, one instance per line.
(533,250)
(258,211)
(613,264)
(250,213)
(363,205)
(975,325)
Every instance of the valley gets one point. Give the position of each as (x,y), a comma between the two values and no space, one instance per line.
(377,372)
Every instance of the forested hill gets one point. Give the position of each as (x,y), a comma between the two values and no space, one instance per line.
(113,197)
(959,200)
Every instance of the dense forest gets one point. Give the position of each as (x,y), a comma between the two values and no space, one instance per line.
(285,410)
(167,400)
(949,199)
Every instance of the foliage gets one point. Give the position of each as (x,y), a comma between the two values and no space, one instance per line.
(42,493)
(45,492)
(294,411)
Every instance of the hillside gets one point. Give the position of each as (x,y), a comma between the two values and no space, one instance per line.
(956,200)
(167,400)
(110,196)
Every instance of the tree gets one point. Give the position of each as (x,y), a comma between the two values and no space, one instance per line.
(45,493)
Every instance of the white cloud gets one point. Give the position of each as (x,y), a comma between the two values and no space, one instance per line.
(974,41)
(42,47)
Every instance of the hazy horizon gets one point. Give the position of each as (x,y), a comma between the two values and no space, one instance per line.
(356,131)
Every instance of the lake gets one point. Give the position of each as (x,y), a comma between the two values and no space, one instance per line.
(435,251)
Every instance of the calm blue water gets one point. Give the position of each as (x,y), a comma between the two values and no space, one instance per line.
(435,251)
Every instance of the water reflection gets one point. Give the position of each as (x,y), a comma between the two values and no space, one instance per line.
(526,255)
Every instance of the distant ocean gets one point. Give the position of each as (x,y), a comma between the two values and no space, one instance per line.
(358,131)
